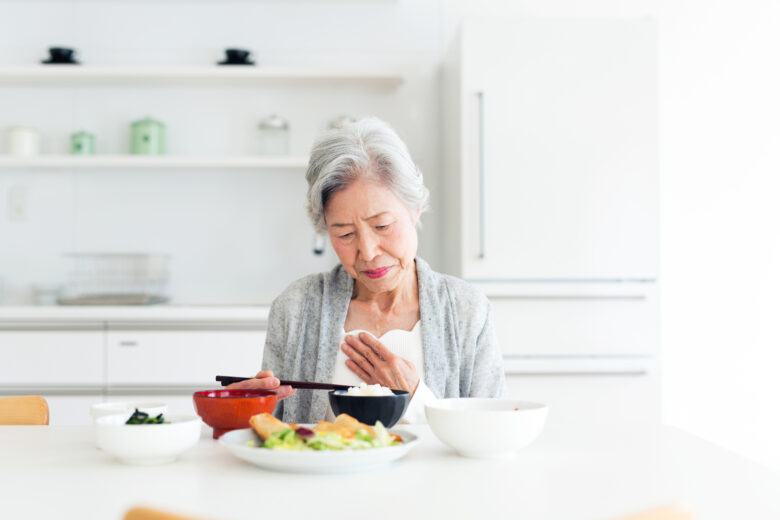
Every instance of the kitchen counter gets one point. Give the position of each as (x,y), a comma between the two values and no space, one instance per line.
(581,473)
(30,315)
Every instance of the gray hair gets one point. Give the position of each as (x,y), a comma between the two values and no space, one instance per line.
(367,147)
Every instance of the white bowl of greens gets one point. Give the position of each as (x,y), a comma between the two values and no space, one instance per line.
(156,440)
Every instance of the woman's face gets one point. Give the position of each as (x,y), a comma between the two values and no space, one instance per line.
(373,234)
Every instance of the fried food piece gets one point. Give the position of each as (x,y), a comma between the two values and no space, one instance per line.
(326,427)
(265,424)
(349,422)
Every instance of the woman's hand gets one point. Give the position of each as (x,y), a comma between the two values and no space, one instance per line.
(264,380)
(374,364)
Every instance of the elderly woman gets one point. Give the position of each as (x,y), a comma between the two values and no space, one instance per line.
(382,316)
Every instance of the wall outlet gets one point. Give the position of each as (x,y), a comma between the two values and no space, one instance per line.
(17,204)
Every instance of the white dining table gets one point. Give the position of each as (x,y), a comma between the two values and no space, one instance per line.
(583,473)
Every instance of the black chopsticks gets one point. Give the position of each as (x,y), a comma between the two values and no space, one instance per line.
(227,380)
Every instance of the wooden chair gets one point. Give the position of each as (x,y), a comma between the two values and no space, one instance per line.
(27,409)
(145,513)
(662,513)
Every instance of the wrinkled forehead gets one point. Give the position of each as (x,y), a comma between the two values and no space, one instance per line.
(362,199)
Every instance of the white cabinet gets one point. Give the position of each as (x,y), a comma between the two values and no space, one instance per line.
(52,356)
(75,362)
(180,357)
(551,150)
(576,400)
(569,320)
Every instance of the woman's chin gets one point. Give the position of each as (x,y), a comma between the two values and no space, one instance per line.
(388,282)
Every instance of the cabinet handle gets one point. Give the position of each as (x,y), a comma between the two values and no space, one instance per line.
(128,343)
(481,104)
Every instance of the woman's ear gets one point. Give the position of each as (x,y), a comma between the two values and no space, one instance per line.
(416,217)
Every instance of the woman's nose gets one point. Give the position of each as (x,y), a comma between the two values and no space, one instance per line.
(368,246)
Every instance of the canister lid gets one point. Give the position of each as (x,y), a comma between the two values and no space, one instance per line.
(342,121)
(22,128)
(148,122)
(275,122)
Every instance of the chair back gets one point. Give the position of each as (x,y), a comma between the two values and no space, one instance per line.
(145,513)
(26,409)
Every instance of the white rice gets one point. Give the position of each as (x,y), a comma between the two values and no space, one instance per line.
(369,390)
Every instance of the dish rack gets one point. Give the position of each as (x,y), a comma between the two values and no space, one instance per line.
(116,279)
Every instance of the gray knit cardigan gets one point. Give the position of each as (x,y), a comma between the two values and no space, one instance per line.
(460,354)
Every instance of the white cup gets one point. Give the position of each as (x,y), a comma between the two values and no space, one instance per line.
(24,141)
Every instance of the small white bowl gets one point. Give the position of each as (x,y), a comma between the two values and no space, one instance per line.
(153,408)
(147,443)
(486,428)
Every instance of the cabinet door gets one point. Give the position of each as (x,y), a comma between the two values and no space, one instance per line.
(559,125)
(181,357)
(602,321)
(607,402)
(51,357)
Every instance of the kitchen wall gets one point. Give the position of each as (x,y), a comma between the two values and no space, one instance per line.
(720,142)
(234,236)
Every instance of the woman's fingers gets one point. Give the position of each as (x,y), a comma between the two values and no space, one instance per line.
(264,373)
(357,357)
(283,392)
(362,374)
(361,348)
(266,383)
(376,346)
(370,347)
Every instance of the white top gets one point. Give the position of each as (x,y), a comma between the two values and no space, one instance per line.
(563,475)
(407,344)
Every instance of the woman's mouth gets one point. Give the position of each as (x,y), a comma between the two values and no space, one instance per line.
(377,273)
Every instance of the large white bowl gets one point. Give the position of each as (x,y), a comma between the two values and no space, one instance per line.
(147,443)
(486,428)
(153,408)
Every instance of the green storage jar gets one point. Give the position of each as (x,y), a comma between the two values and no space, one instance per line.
(82,143)
(148,137)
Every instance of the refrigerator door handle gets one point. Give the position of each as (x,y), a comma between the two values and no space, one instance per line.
(482,174)
(579,365)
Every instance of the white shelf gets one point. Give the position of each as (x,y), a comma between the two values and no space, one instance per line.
(219,1)
(39,316)
(151,162)
(230,75)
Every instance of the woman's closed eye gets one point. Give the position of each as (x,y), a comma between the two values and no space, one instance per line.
(346,235)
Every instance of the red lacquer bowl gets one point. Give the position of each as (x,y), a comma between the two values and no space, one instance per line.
(226,410)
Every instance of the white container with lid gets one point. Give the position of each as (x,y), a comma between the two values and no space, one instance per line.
(274,136)
(23,141)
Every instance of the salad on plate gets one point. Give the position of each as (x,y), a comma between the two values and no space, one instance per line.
(344,433)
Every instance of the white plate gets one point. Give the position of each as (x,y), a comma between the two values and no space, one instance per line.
(312,461)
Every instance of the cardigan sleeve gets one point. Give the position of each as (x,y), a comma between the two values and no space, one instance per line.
(273,357)
(469,342)
(273,352)
(487,378)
